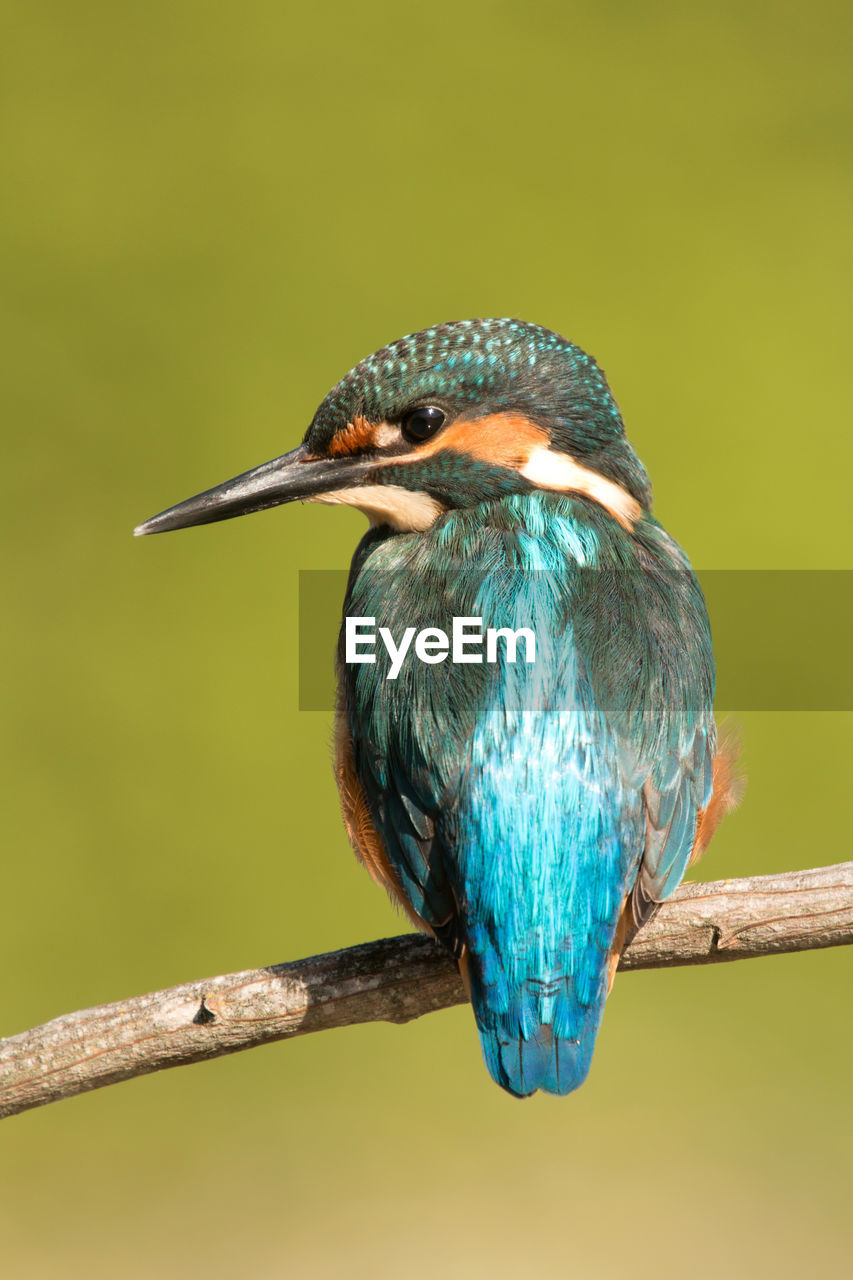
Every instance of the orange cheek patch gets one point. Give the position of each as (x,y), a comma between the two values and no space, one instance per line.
(356,436)
(504,439)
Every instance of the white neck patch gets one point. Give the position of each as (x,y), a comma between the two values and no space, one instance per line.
(548,469)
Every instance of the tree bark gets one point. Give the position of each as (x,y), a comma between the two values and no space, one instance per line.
(392,980)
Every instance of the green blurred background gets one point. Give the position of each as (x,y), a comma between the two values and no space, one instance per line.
(209,212)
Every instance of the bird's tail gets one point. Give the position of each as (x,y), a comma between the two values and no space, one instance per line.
(539,1035)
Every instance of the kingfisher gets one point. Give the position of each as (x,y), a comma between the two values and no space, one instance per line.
(529,815)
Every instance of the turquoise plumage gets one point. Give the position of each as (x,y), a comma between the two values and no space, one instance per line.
(511,804)
(528,814)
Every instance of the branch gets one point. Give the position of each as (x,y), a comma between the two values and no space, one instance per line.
(393,980)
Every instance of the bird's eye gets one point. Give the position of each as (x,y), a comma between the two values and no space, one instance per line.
(420,424)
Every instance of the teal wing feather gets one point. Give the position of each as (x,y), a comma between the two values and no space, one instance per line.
(664,720)
(674,794)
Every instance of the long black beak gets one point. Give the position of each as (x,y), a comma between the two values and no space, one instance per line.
(292,478)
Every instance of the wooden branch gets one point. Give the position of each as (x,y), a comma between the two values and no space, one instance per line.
(393,980)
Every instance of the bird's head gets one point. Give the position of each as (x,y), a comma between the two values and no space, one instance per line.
(446,418)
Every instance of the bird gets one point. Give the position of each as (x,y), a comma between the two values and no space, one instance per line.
(530,816)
